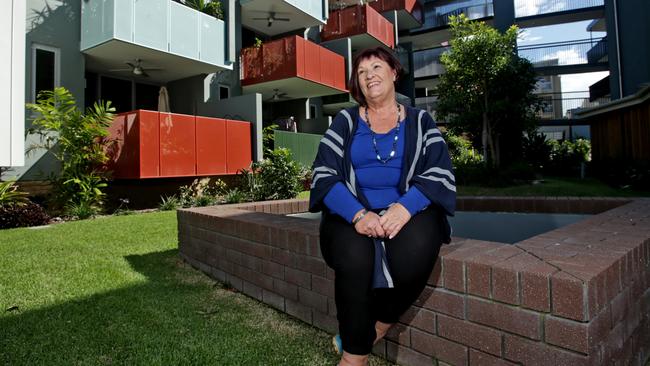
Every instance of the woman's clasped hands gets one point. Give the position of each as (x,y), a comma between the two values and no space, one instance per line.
(387,225)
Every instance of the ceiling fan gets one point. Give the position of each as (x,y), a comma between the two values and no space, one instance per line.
(271,18)
(277,96)
(136,68)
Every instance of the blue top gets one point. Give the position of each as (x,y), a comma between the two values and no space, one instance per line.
(379,182)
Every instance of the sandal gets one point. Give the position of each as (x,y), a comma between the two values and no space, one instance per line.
(338,344)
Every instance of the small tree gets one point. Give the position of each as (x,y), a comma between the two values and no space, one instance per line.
(78,141)
(487,88)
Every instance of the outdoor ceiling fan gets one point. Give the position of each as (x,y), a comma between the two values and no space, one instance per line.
(136,68)
(277,96)
(271,18)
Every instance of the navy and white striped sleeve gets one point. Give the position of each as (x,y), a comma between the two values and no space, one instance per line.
(328,169)
(435,176)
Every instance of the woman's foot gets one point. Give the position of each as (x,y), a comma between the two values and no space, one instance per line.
(349,359)
(381,329)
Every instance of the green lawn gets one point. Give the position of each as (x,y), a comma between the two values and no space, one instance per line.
(113,291)
(554,187)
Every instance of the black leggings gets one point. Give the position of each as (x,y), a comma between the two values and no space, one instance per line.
(411,256)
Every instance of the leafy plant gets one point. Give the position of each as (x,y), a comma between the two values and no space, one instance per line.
(168,203)
(21,215)
(78,141)
(9,194)
(81,210)
(276,177)
(567,156)
(258,43)
(235,195)
(268,137)
(210,7)
(536,150)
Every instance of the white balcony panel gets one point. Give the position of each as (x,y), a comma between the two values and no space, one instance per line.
(166,35)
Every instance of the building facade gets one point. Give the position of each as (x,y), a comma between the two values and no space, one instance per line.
(269,60)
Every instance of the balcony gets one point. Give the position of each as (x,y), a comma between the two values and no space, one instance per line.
(172,40)
(292,68)
(153,144)
(362,24)
(562,106)
(267,16)
(426,63)
(409,12)
(567,54)
(439,16)
(528,8)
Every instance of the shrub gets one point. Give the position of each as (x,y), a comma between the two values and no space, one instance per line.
(21,215)
(168,203)
(81,210)
(78,141)
(235,195)
(623,174)
(274,178)
(212,8)
(537,150)
(199,193)
(9,194)
(566,156)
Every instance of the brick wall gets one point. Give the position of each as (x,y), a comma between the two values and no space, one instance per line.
(578,295)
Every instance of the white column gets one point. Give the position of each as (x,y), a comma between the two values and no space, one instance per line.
(12,82)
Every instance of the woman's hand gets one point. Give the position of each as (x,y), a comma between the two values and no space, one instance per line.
(394,220)
(369,225)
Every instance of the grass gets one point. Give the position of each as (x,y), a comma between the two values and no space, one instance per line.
(114,291)
(552,186)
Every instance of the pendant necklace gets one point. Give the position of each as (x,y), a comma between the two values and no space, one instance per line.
(395,138)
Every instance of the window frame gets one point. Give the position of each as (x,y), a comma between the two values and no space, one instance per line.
(57,67)
(225,86)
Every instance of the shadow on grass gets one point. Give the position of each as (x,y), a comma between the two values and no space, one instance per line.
(175,316)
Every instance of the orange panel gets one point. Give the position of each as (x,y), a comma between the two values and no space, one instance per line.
(177,145)
(338,69)
(210,146)
(238,146)
(116,151)
(299,56)
(312,62)
(327,69)
(149,142)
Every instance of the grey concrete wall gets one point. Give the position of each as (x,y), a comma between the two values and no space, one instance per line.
(56,24)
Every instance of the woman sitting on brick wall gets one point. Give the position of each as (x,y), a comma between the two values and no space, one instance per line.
(384,181)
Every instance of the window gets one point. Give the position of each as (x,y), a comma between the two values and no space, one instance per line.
(313,111)
(224,92)
(45,69)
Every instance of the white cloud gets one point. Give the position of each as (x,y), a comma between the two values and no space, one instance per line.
(567,57)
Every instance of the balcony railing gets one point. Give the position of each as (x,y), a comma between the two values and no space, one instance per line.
(427,62)
(162,25)
(412,7)
(358,20)
(525,8)
(151,144)
(438,16)
(598,53)
(290,57)
(563,105)
(561,53)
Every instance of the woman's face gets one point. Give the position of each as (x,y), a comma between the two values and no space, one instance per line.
(375,78)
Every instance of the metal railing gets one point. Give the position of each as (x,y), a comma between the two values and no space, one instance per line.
(526,8)
(562,53)
(554,106)
(427,62)
(438,16)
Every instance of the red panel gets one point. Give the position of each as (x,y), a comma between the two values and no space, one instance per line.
(238,146)
(327,69)
(312,62)
(210,146)
(177,145)
(299,57)
(149,141)
(251,65)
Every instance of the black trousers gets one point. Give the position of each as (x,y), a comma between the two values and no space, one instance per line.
(411,257)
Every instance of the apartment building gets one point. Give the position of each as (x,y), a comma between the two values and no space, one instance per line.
(268,60)
(586,52)
(264,61)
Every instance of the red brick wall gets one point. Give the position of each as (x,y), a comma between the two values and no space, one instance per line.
(578,295)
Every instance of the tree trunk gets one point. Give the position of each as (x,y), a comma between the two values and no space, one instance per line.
(484,137)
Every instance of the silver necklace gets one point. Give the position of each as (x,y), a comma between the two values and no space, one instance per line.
(395,138)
